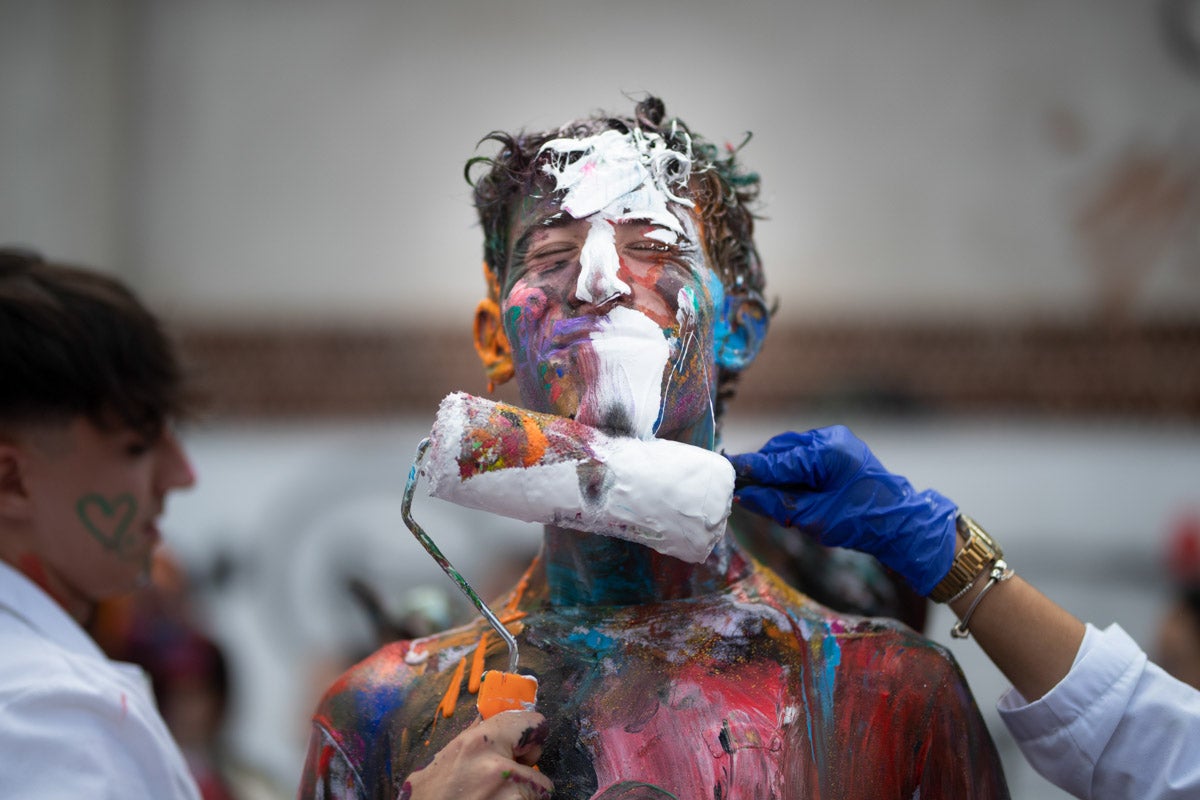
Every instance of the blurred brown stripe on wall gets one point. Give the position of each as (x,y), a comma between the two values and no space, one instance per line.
(1144,370)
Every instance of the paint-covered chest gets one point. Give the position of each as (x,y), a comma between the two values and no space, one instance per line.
(696,701)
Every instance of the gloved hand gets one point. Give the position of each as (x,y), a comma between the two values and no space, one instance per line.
(827,483)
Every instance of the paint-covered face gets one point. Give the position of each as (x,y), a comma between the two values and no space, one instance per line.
(95,497)
(609,300)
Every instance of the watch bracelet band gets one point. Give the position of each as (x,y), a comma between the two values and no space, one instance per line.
(975,558)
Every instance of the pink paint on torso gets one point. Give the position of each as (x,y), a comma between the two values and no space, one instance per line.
(729,734)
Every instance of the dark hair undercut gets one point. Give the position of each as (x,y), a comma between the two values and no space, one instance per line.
(78,342)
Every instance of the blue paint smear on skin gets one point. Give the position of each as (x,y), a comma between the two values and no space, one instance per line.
(514,316)
(812,742)
(827,680)
(721,330)
(372,705)
(618,584)
(593,640)
(826,657)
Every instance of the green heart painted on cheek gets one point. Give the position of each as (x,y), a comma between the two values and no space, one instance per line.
(108,520)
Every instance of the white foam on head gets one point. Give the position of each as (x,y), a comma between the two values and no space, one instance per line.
(636,169)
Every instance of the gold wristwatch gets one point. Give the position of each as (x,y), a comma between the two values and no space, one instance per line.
(975,557)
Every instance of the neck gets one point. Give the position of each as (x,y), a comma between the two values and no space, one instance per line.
(702,433)
(585,569)
(32,567)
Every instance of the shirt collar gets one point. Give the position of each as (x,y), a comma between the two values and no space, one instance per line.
(28,602)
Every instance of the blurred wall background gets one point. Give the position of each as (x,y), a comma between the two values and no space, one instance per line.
(981,222)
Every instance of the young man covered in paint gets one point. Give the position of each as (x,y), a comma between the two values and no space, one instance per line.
(88,387)
(626,292)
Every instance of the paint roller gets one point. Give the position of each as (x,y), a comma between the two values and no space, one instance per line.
(669,496)
(496,457)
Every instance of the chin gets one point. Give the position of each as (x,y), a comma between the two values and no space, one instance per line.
(614,420)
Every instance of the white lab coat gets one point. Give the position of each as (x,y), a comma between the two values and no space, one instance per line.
(1117,726)
(73,723)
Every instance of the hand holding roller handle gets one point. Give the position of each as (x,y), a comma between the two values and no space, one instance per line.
(829,484)
(490,760)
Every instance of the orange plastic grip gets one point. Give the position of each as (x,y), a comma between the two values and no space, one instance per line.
(506,691)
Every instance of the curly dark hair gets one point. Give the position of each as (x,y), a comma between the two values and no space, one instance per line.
(74,341)
(721,190)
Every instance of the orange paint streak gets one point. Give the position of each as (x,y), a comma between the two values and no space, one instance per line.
(518,592)
(537,443)
(477,664)
(450,699)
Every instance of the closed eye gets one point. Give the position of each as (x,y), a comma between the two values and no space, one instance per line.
(550,250)
(137,447)
(551,257)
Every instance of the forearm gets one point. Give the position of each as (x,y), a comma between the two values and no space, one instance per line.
(1029,637)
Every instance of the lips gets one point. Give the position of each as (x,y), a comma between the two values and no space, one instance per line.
(567,332)
(608,340)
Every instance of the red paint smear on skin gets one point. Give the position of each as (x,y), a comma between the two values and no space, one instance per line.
(682,742)
(327,754)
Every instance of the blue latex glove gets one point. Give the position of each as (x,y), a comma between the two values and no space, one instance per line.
(827,483)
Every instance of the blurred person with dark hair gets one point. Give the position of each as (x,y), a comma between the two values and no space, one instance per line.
(90,388)
(1089,710)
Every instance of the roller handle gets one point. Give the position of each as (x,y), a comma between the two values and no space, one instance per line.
(433,550)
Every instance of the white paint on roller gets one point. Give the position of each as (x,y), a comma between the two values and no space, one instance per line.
(672,497)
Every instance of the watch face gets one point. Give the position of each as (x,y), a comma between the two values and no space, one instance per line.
(976,556)
(972,528)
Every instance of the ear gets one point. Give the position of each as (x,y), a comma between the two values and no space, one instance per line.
(15,502)
(741,329)
(491,343)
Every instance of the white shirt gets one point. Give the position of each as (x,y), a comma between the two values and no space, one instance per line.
(1117,726)
(73,723)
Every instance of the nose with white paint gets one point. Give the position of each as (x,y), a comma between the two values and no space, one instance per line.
(599,263)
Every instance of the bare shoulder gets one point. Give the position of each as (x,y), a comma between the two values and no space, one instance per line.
(366,692)
(880,645)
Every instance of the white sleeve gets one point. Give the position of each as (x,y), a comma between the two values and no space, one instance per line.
(61,745)
(1117,726)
